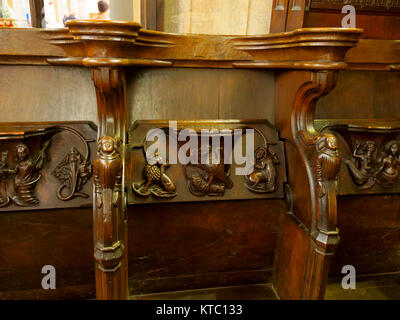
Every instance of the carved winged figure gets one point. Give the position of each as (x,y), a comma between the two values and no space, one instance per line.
(73,172)
(27,173)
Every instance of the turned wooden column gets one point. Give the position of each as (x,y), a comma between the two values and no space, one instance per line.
(109,207)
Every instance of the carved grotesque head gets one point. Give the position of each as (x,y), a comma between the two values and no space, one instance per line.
(22,152)
(331,142)
(107,145)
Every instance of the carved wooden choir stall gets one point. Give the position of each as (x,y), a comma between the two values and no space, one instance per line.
(326,157)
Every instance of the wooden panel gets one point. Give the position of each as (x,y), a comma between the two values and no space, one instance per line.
(190,94)
(375,26)
(65,93)
(295,14)
(29,241)
(373,55)
(370,234)
(46,165)
(290,258)
(46,94)
(29,40)
(367,148)
(191,245)
(279,15)
(362,94)
(232,246)
(372,6)
(200,181)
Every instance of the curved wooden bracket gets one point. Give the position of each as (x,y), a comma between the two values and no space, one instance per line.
(321,158)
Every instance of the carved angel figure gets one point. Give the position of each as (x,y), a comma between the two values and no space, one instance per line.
(107,172)
(327,163)
(156,181)
(362,167)
(73,172)
(27,174)
(388,173)
(263,178)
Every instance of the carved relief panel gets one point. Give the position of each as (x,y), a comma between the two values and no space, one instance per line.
(204,160)
(371,155)
(46,165)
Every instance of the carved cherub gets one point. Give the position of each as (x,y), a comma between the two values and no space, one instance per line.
(107,172)
(327,163)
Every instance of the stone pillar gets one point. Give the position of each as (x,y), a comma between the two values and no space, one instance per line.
(121,10)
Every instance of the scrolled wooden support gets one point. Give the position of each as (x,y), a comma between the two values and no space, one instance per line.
(321,157)
(109,195)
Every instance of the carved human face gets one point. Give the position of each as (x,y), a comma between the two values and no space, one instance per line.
(331,142)
(107,145)
(394,149)
(261,153)
(22,152)
(371,147)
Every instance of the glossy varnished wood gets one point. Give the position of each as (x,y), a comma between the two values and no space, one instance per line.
(308,61)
